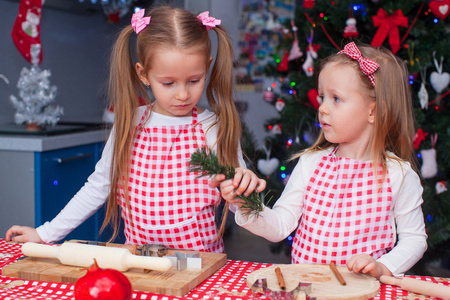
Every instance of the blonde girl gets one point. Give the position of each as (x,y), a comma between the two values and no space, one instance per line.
(144,169)
(353,198)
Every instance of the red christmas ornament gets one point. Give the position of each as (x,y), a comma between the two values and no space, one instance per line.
(388,25)
(350,30)
(283,66)
(312,97)
(103,284)
(440,8)
(308,3)
(114,17)
(268,95)
(27,28)
(419,138)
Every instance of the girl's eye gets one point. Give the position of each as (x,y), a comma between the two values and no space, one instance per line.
(320,99)
(336,99)
(195,81)
(167,83)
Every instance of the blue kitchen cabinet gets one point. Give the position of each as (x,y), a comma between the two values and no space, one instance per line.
(59,174)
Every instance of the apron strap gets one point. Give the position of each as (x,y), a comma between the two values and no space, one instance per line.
(144,115)
(194,115)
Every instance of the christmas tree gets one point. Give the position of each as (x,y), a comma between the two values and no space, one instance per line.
(34,108)
(417,32)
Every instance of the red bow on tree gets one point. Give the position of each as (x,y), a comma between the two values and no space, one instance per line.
(388,26)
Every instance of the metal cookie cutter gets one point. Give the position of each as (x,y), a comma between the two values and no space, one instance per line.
(151,250)
(183,261)
(259,288)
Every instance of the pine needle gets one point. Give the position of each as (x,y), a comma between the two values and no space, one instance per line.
(206,163)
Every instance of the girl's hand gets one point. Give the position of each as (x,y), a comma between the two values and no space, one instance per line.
(22,234)
(364,263)
(244,182)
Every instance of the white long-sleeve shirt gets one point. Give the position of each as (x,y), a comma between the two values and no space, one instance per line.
(96,190)
(406,215)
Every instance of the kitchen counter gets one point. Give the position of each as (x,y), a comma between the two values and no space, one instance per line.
(35,142)
(228,283)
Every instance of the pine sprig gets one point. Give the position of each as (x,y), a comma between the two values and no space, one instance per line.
(207,163)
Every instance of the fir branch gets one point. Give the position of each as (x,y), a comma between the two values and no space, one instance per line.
(207,163)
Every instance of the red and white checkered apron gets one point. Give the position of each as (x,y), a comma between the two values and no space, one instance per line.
(169,205)
(343,214)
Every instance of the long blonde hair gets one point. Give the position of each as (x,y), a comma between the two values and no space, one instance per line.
(394,119)
(170,28)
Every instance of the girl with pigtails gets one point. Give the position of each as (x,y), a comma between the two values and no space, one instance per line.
(144,169)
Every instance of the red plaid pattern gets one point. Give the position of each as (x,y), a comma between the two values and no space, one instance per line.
(169,206)
(228,283)
(343,214)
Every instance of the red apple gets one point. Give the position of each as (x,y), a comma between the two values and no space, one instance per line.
(103,284)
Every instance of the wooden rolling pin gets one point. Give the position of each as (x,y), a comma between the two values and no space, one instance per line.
(82,255)
(419,286)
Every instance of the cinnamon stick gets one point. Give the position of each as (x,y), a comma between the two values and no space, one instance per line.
(280,278)
(337,274)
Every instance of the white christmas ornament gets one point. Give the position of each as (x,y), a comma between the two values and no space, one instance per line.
(429,167)
(268,166)
(295,50)
(439,80)
(423,93)
(423,96)
(440,187)
(279,105)
(308,65)
(276,129)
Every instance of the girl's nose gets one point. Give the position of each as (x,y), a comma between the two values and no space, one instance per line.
(182,93)
(323,109)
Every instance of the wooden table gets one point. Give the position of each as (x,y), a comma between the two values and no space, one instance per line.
(228,283)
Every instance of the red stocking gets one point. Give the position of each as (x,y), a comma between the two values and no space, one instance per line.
(283,66)
(27,28)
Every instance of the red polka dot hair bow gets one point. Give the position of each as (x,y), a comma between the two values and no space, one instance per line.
(366,65)
(138,21)
(208,21)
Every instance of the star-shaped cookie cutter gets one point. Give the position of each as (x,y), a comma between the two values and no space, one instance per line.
(183,261)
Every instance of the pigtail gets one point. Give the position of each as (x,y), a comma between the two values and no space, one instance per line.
(125,98)
(219,93)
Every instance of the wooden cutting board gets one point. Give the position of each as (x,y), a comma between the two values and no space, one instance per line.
(324,283)
(173,282)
